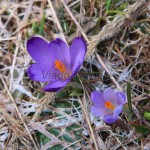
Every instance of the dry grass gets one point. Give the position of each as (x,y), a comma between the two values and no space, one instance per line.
(118,50)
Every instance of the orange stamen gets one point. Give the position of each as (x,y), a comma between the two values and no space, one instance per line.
(109,105)
(60,66)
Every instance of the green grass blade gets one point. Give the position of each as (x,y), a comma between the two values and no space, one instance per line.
(41,27)
(34,26)
(129,97)
(108,2)
(116,12)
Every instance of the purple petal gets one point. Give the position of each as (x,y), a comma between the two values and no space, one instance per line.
(121,98)
(38,50)
(37,74)
(117,110)
(75,69)
(97,99)
(77,51)
(110,118)
(109,95)
(100,111)
(56,86)
(99,108)
(59,51)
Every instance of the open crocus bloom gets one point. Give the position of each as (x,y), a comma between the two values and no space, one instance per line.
(56,63)
(107,104)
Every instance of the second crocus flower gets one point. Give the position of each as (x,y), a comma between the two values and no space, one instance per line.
(108,104)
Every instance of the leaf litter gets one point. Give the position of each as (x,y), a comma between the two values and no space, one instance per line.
(118,52)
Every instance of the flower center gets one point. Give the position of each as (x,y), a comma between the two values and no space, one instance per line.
(109,105)
(60,66)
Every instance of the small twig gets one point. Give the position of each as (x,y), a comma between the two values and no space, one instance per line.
(72,144)
(80,17)
(89,124)
(20,116)
(14,61)
(9,38)
(56,20)
(104,66)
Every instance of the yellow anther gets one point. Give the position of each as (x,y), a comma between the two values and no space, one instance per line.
(109,105)
(60,66)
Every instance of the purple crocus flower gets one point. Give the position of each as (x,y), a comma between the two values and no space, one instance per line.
(107,104)
(56,63)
